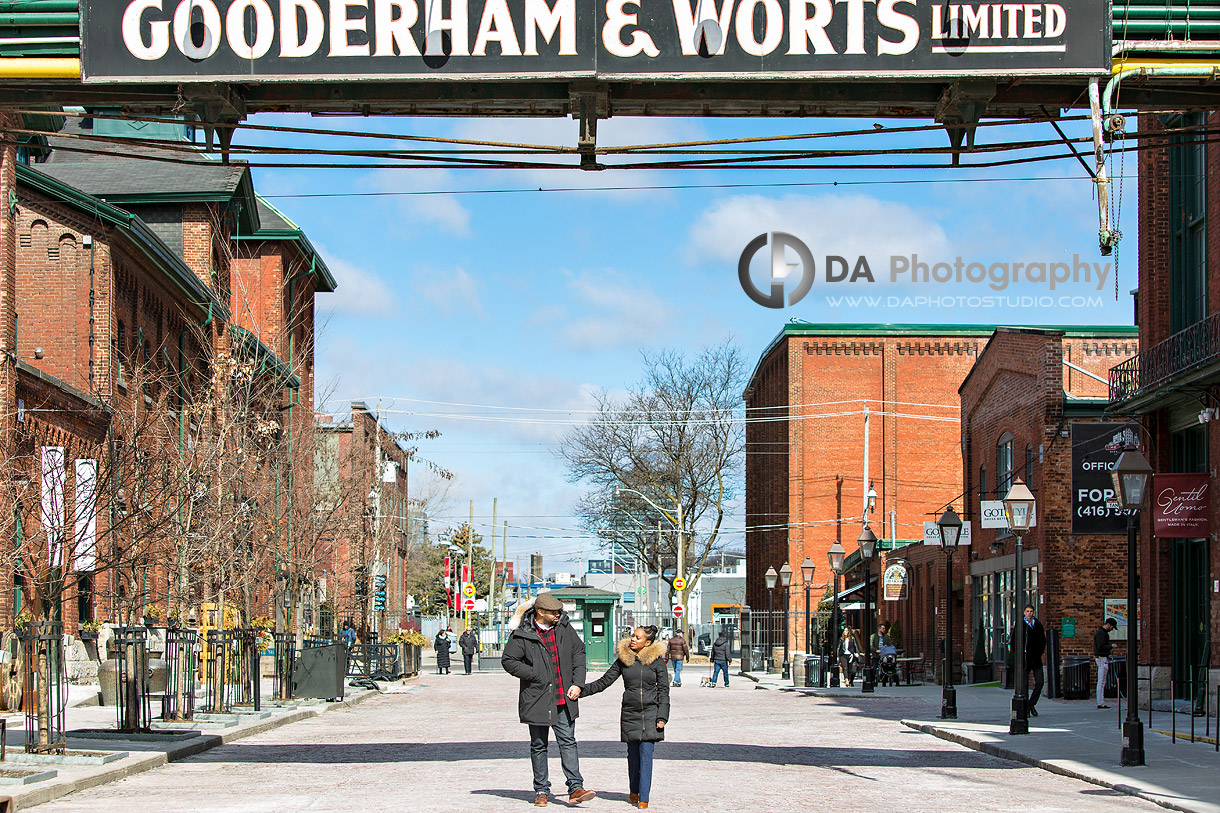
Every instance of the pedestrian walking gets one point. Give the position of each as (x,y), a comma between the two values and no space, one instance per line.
(1102,648)
(677,652)
(721,655)
(348,635)
(442,644)
(850,655)
(468,642)
(544,652)
(1035,647)
(645,710)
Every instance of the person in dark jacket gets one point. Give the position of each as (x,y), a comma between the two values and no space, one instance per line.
(469,644)
(1035,647)
(544,652)
(721,654)
(442,645)
(850,656)
(677,651)
(641,664)
(1102,649)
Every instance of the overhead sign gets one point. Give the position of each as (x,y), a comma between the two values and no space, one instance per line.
(1095,450)
(278,40)
(895,583)
(931,535)
(1181,505)
(679,610)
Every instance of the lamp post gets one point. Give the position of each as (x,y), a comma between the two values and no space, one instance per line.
(950,526)
(785,581)
(807,569)
(1131,474)
(868,546)
(836,555)
(1019,510)
(771,578)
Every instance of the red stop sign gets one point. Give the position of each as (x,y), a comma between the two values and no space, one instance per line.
(679,610)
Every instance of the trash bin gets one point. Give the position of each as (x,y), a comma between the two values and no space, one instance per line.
(1116,677)
(756,660)
(1075,678)
(814,677)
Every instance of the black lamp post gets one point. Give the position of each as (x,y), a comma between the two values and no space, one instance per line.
(785,581)
(771,578)
(1131,475)
(868,546)
(950,526)
(1019,509)
(836,555)
(807,569)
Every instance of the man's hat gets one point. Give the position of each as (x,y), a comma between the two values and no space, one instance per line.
(547,601)
(1113,622)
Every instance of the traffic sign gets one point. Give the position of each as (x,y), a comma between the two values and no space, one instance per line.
(468,605)
(468,590)
(679,610)
(679,583)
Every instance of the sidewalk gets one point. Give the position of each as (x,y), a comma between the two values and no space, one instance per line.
(1068,737)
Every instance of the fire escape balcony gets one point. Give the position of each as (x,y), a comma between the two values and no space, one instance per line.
(1189,359)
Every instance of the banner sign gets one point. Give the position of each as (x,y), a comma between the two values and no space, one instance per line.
(85,515)
(991,515)
(895,582)
(54,473)
(1181,506)
(931,534)
(1095,450)
(278,40)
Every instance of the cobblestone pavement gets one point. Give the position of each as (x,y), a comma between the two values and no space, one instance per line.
(453,743)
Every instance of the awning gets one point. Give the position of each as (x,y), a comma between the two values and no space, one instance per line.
(855,588)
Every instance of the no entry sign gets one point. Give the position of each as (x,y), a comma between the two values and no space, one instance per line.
(468,605)
(679,610)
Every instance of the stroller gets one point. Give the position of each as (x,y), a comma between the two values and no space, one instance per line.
(887,665)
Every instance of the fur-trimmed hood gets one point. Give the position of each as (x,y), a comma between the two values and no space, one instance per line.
(646,655)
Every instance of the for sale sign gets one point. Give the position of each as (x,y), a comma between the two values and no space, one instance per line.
(1095,450)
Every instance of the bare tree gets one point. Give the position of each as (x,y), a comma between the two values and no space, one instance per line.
(670,451)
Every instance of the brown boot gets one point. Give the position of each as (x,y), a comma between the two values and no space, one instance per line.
(580,795)
(642,805)
(634,798)
(540,800)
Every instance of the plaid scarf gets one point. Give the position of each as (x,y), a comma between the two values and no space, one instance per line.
(548,641)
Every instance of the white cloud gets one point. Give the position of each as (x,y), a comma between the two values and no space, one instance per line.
(441,211)
(358,292)
(610,311)
(450,291)
(843,225)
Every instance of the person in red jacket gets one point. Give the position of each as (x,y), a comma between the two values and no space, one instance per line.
(678,653)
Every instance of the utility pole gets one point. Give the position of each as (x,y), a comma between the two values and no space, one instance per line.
(469,566)
(491,578)
(378,615)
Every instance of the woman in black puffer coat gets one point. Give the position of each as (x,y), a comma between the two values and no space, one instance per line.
(641,663)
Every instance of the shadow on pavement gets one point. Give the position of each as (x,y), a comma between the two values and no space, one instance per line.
(528,795)
(813,756)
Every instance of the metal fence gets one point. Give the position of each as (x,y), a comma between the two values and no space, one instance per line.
(45,694)
(182,662)
(131,675)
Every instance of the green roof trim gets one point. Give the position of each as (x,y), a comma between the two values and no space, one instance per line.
(250,344)
(324,280)
(177,272)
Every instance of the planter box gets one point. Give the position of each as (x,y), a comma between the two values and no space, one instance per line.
(978,673)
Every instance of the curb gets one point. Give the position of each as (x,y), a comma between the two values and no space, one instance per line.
(1050,766)
(139,762)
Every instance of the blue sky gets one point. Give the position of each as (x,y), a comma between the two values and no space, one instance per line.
(533,300)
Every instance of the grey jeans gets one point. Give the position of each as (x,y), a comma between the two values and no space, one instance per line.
(565,737)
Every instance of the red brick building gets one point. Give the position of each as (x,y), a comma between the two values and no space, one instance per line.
(1172,386)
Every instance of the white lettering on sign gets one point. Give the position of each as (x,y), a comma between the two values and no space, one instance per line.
(210,28)
(612,32)
(158,36)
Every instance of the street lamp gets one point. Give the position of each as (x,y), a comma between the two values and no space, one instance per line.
(1019,510)
(1131,475)
(785,581)
(868,546)
(950,525)
(836,554)
(807,568)
(771,578)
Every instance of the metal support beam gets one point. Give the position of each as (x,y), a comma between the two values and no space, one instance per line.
(587,107)
(960,108)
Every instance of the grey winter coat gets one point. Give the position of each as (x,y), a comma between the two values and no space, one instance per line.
(526,658)
(469,642)
(720,650)
(645,690)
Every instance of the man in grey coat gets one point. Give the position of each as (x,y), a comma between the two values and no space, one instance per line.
(544,652)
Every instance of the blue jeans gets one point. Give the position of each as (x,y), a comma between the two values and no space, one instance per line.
(717,668)
(639,768)
(677,670)
(569,759)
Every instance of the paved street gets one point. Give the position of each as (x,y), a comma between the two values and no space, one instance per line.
(453,743)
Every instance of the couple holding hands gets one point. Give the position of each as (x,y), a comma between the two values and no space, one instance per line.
(548,657)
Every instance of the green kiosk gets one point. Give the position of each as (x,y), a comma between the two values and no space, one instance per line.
(591,612)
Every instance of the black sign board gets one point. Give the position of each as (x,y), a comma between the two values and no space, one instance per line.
(1095,450)
(291,40)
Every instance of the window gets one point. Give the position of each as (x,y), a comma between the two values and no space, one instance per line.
(982,482)
(1187,224)
(1028,474)
(120,353)
(1003,465)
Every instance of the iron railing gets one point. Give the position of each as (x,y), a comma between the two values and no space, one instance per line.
(285,659)
(131,676)
(181,660)
(45,690)
(1180,353)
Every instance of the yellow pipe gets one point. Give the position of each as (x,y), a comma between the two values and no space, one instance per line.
(40,68)
(1121,65)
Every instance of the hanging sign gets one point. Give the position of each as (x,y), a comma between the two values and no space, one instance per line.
(253,41)
(931,535)
(1181,505)
(895,582)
